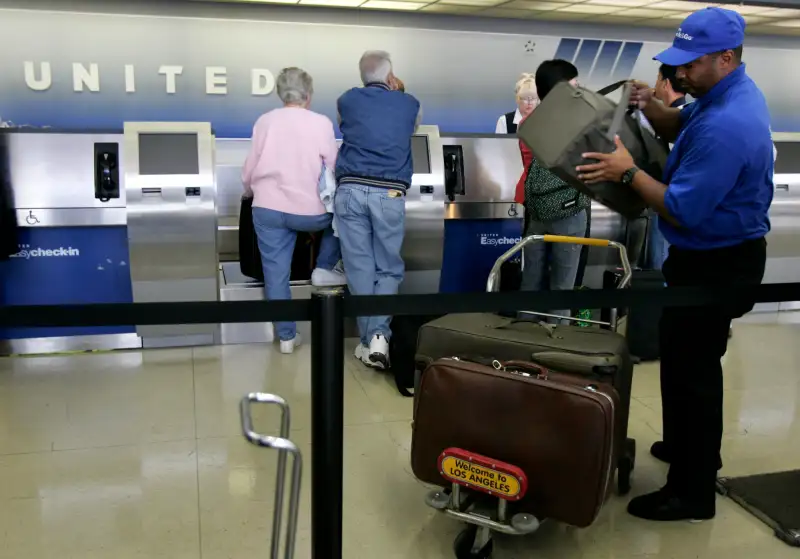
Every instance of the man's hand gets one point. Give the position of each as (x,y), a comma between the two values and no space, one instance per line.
(609,166)
(398,84)
(641,94)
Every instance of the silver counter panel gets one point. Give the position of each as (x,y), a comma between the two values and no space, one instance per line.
(56,171)
(52,175)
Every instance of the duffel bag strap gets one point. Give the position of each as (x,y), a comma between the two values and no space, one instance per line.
(619,112)
(611,88)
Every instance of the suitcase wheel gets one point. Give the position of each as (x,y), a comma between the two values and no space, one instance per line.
(625,467)
(465,541)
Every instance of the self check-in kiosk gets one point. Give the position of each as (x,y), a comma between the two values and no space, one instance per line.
(172,222)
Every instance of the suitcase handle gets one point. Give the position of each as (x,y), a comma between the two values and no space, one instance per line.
(527,367)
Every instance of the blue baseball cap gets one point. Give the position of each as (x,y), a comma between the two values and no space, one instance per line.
(704,32)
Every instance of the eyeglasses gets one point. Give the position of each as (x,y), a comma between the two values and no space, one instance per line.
(529,100)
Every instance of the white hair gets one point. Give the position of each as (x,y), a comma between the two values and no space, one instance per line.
(294,86)
(375,66)
(526,86)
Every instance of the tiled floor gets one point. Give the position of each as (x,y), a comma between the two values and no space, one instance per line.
(138,455)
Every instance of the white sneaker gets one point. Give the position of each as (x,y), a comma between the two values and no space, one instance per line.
(328,278)
(287,346)
(362,354)
(378,352)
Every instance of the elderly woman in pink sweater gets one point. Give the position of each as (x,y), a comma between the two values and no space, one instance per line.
(282,173)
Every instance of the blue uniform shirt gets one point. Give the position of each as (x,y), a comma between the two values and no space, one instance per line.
(719,173)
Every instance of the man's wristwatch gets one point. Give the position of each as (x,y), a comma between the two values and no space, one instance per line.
(627,176)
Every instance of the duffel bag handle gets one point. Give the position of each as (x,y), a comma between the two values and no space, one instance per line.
(619,112)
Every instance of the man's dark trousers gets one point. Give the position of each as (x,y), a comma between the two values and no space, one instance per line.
(693,341)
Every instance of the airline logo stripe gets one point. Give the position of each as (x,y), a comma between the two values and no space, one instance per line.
(584,61)
(600,61)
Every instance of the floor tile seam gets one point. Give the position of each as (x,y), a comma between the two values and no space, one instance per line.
(197,460)
(97,447)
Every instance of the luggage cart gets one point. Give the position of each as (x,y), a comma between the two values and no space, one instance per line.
(627,458)
(284,446)
(482,488)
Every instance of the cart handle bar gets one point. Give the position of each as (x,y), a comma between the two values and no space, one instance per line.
(589,241)
(493,283)
(283,445)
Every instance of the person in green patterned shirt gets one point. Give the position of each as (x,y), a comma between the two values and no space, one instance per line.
(552,207)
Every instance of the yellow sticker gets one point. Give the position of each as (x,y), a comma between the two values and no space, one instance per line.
(480,477)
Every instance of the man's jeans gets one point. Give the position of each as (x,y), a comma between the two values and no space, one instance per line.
(371,226)
(277,234)
(564,257)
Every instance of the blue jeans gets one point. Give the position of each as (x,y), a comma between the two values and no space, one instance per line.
(371,226)
(564,257)
(277,234)
(657,246)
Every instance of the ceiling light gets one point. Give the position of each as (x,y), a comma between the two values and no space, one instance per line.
(450,8)
(470,2)
(676,16)
(534,5)
(270,1)
(785,23)
(589,9)
(681,5)
(641,12)
(744,10)
(558,16)
(780,12)
(506,13)
(393,5)
(660,22)
(342,3)
(621,3)
(611,19)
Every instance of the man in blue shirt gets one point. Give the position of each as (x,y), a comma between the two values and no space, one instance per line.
(373,172)
(713,206)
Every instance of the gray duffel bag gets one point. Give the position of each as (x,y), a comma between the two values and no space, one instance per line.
(572,120)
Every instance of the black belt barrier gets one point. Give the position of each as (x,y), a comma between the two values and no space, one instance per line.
(327,310)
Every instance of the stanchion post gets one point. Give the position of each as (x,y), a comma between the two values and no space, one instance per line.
(327,423)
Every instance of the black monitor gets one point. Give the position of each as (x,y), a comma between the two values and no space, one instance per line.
(168,154)
(420,155)
(788,161)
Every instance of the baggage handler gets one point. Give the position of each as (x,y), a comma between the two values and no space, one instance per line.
(714,202)
(373,172)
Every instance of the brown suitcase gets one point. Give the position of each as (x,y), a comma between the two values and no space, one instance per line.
(597,354)
(559,429)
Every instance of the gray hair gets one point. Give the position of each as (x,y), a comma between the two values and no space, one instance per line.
(375,66)
(294,86)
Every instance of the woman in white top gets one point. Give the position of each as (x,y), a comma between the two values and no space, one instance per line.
(527,99)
